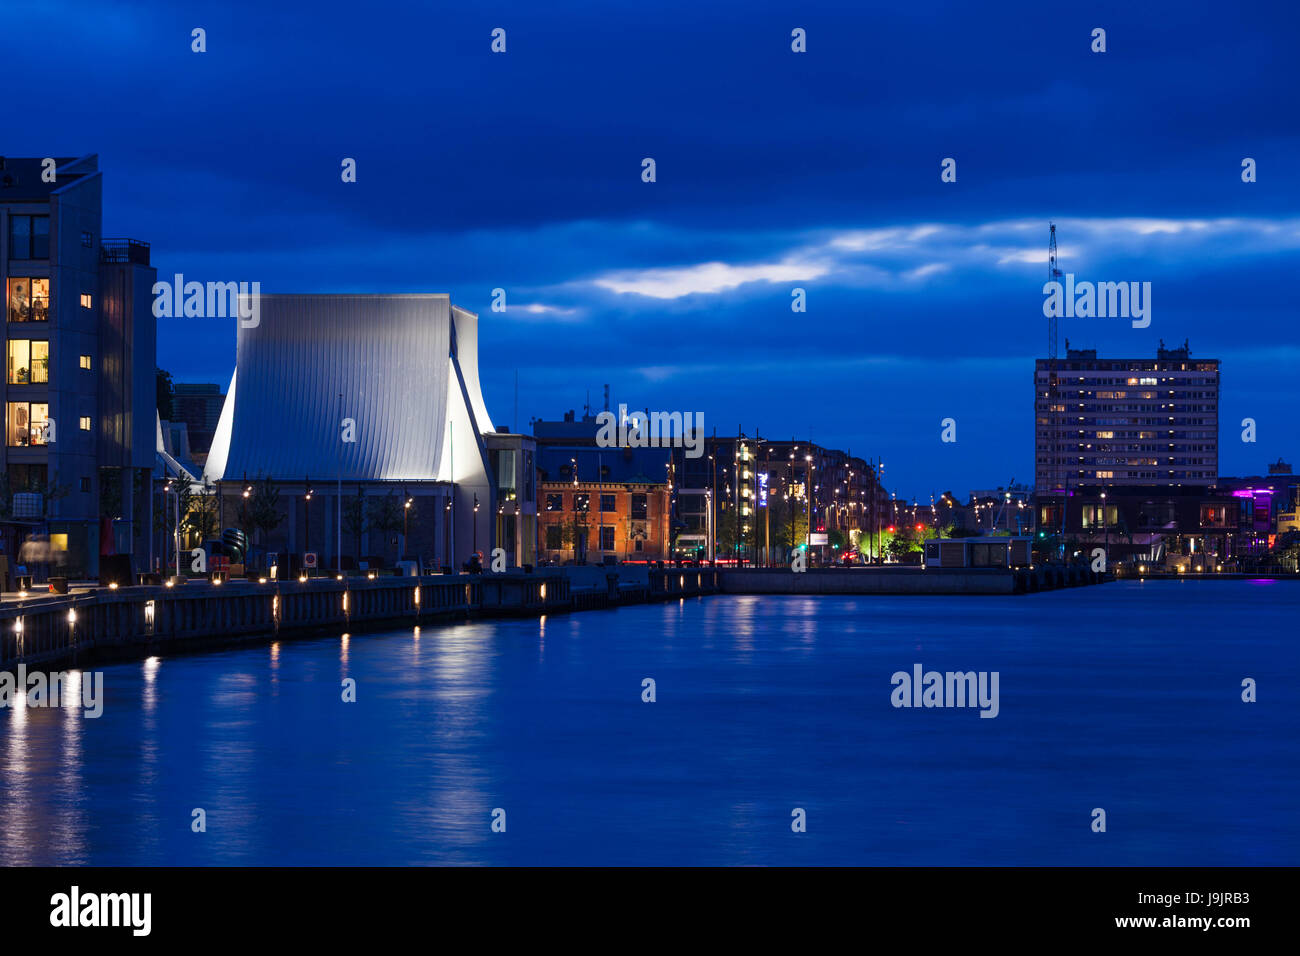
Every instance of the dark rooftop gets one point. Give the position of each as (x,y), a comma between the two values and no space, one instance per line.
(21,177)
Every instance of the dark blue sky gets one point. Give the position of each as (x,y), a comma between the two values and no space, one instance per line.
(820,170)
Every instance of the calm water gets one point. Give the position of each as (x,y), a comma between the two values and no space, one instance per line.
(1125,697)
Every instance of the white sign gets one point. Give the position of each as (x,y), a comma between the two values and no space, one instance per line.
(819,537)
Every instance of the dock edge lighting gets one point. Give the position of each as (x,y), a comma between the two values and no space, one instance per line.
(18,625)
(417,596)
(72,616)
(345,602)
(543,592)
(148,614)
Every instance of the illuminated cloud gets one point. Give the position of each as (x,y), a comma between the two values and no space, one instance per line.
(707,277)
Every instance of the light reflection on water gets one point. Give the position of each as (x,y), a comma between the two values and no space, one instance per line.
(1125,697)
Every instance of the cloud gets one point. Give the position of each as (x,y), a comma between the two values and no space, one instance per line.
(707,277)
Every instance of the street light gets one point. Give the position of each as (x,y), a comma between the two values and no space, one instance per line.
(1105,526)
(406,515)
(306,510)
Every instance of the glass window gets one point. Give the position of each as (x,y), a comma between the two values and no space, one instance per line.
(40,362)
(29,237)
(582,502)
(28,299)
(506,472)
(638,507)
(85,361)
(554,537)
(607,503)
(555,502)
(25,423)
(86,301)
(20,361)
(606,538)
(40,237)
(29,362)
(40,300)
(20,300)
(85,423)
(20,237)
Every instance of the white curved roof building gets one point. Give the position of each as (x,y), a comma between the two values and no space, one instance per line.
(358,388)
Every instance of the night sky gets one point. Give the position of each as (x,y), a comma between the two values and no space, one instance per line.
(775,170)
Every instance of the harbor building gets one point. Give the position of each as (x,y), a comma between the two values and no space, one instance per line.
(354,431)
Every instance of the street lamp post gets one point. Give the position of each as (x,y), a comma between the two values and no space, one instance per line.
(1105,527)
(476,522)
(406,518)
(306,511)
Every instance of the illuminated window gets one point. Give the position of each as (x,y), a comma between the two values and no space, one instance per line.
(25,423)
(85,361)
(28,299)
(85,300)
(85,423)
(29,362)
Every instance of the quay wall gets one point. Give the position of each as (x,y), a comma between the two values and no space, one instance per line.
(906,580)
(51,630)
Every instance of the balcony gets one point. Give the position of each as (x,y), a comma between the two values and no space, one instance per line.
(126,251)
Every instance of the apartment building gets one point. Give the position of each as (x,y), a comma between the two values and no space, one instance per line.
(80,414)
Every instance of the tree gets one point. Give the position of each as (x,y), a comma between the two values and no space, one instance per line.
(354,519)
(199,514)
(260,511)
(780,511)
(386,514)
(165,393)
